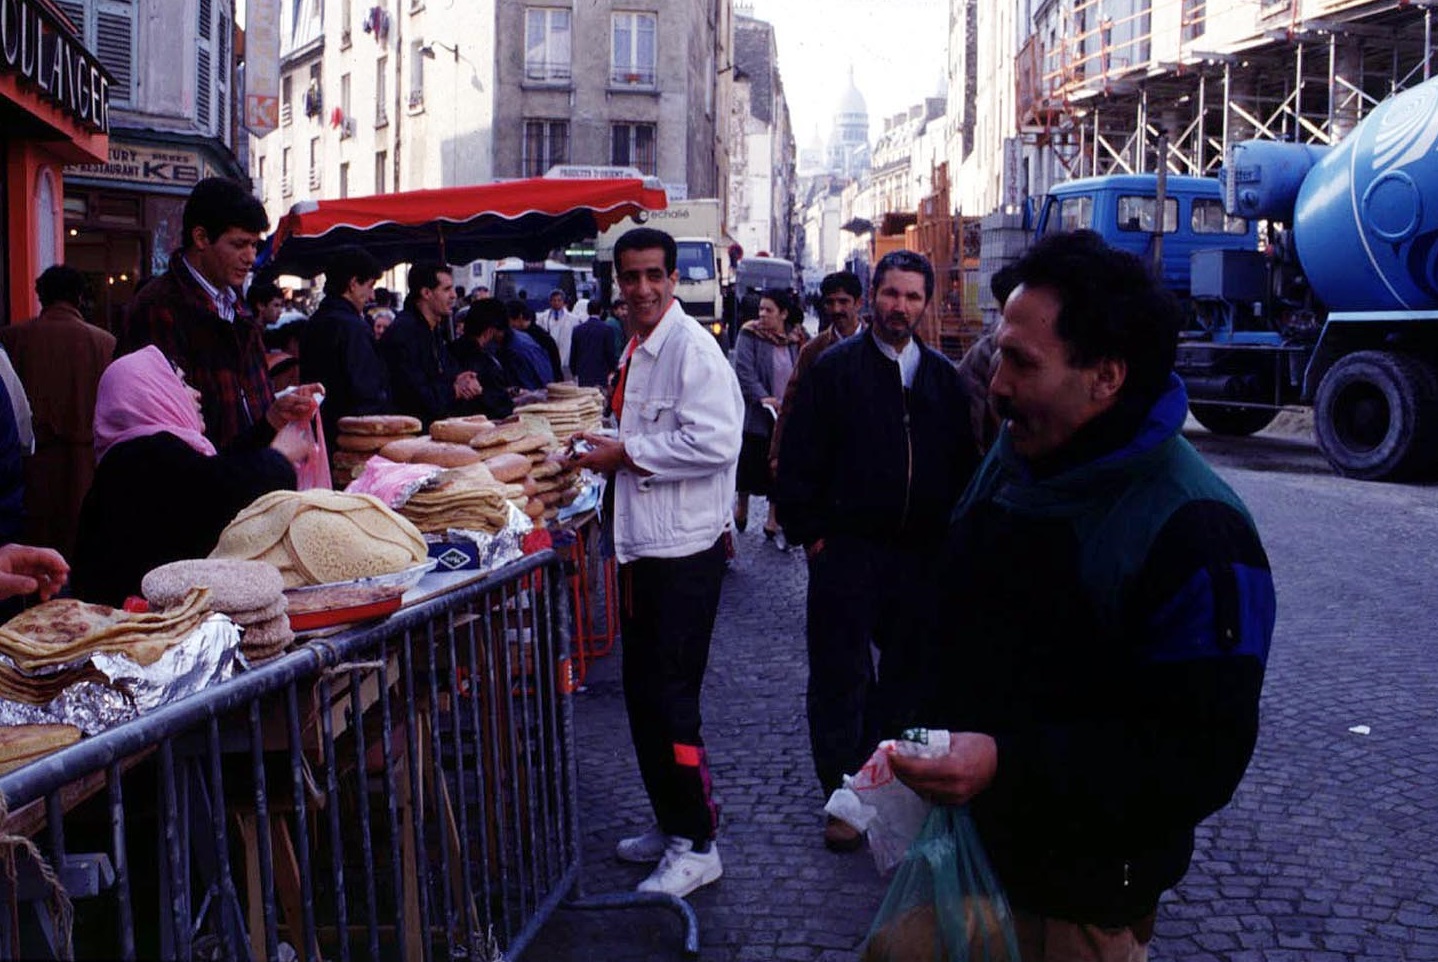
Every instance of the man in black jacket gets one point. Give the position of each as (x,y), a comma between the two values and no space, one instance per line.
(337,348)
(486,325)
(875,452)
(426,381)
(1100,619)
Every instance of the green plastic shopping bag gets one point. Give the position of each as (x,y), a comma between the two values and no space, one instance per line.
(945,903)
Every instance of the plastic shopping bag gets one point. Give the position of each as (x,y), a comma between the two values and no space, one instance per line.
(945,903)
(875,802)
(315,472)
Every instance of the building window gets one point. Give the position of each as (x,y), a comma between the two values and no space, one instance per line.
(381,165)
(287,184)
(546,45)
(381,87)
(546,143)
(1193,19)
(633,49)
(346,22)
(108,28)
(633,145)
(347,123)
(315,94)
(344,179)
(287,100)
(416,75)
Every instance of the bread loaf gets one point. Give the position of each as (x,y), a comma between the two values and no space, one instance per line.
(367,443)
(458,430)
(446,454)
(392,424)
(404,450)
(508,467)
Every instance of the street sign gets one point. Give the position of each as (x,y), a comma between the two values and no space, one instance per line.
(262,113)
(262,66)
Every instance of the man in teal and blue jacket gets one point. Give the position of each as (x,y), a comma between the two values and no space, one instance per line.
(1107,612)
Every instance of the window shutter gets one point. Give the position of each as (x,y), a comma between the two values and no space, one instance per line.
(114,46)
(223,70)
(204,87)
(206,18)
(75,10)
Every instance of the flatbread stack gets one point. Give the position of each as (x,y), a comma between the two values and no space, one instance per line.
(22,744)
(65,631)
(469,498)
(554,484)
(361,437)
(570,409)
(251,593)
(321,537)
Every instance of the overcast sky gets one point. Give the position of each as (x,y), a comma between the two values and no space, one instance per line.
(898,48)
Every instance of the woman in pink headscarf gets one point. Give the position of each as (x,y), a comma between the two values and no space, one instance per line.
(161,491)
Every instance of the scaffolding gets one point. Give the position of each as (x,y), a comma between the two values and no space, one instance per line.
(1093,95)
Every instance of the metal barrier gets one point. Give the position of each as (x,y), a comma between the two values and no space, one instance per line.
(404,790)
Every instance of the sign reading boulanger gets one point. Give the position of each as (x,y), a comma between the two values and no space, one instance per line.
(150,166)
(35,46)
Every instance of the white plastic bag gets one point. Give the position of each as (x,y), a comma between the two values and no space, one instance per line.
(876,803)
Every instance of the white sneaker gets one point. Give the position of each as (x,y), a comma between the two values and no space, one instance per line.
(643,849)
(683,870)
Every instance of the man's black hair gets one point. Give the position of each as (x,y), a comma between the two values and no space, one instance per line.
(595,307)
(350,264)
(61,283)
(488,314)
(383,297)
(424,276)
(845,281)
(647,239)
(902,260)
(261,292)
(518,308)
(1112,305)
(1002,284)
(218,204)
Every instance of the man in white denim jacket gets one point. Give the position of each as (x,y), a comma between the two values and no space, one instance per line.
(672,468)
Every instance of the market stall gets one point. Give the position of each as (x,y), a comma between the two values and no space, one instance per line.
(328,738)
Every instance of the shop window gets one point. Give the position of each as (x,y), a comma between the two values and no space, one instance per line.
(47,227)
(117,210)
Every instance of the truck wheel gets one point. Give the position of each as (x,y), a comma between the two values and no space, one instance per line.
(1376,416)
(1232,421)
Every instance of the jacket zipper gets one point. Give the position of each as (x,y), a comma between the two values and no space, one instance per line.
(909,443)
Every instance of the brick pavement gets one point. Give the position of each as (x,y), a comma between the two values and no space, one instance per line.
(1326,854)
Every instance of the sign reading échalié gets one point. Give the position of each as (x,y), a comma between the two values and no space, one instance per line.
(34,45)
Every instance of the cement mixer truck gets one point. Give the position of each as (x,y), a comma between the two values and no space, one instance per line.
(1335,306)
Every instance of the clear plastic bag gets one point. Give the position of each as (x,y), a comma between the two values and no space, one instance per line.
(876,803)
(945,903)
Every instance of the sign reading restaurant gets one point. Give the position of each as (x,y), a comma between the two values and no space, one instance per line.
(35,46)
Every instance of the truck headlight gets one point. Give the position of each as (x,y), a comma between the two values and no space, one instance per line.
(717,327)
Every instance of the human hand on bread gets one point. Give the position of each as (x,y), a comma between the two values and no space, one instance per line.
(297,405)
(25,570)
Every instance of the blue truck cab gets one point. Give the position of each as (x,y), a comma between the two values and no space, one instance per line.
(1122,209)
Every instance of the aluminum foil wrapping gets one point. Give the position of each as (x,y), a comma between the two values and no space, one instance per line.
(499,549)
(205,657)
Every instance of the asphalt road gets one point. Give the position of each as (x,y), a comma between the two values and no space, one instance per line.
(1328,851)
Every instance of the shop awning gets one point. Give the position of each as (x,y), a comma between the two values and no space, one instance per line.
(456,225)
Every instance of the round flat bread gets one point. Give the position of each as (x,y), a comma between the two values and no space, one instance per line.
(403,450)
(499,434)
(445,454)
(234,585)
(367,443)
(268,634)
(254,616)
(458,430)
(380,424)
(508,467)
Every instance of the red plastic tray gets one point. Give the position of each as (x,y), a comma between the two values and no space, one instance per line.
(310,620)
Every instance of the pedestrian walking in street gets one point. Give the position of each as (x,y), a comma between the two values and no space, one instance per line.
(195,315)
(672,472)
(59,357)
(559,323)
(840,297)
(1099,641)
(337,348)
(593,357)
(765,355)
(874,456)
(425,381)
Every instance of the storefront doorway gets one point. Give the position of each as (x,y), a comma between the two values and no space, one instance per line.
(106,240)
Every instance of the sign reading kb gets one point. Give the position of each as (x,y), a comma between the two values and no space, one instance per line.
(144,165)
(62,72)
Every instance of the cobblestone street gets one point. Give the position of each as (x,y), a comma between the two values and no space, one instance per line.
(1327,852)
